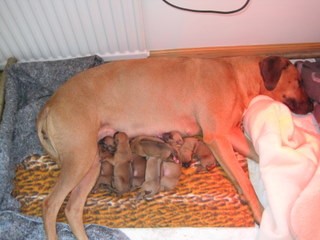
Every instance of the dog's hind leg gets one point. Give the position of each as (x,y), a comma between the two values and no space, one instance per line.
(68,179)
(53,202)
(223,151)
(77,158)
(78,197)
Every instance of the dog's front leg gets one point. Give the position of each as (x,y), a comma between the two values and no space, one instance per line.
(223,151)
(242,144)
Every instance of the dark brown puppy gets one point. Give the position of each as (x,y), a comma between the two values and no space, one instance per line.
(107,148)
(122,163)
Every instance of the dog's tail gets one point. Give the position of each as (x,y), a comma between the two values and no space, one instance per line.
(43,122)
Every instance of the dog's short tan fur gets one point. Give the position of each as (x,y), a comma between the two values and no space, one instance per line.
(153,96)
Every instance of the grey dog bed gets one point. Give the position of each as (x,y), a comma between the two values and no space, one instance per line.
(28,86)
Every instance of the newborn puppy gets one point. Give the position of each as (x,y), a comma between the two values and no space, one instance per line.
(187,150)
(191,149)
(170,174)
(203,154)
(174,139)
(146,146)
(107,149)
(194,149)
(106,146)
(105,177)
(151,185)
(122,164)
(138,166)
(155,151)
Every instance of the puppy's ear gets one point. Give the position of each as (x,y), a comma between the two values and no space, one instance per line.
(270,69)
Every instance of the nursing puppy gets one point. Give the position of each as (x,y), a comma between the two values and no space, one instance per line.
(170,175)
(107,149)
(105,178)
(122,163)
(204,155)
(138,166)
(190,149)
(153,96)
(155,151)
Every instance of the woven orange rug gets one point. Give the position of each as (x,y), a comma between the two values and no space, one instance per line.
(201,199)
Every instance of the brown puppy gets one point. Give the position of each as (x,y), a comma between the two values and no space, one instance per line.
(151,185)
(107,149)
(170,174)
(175,140)
(152,96)
(105,177)
(146,146)
(138,171)
(203,154)
(122,164)
(191,149)
(187,150)
(155,151)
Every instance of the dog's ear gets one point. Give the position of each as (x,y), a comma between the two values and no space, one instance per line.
(270,69)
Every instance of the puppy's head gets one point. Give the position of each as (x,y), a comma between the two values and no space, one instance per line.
(173,138)
(120,138)
(282,82)
(106,146)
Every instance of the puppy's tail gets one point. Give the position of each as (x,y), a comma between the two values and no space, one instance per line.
(43,122)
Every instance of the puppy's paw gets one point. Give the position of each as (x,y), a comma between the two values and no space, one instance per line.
(148,190)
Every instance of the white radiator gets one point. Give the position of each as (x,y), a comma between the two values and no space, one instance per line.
(38,30)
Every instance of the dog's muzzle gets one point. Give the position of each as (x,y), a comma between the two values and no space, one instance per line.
(302,107)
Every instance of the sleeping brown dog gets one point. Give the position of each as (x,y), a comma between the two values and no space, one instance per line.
(152,96)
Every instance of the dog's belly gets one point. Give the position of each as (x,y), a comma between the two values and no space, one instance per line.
(150,125)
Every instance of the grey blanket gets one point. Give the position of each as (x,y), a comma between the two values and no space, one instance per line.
(28,87)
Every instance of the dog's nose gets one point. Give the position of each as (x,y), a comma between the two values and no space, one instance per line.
(302,107)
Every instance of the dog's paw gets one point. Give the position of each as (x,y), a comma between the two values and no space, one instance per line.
(148,190)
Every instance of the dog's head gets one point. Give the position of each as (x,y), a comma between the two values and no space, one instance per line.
(282,82)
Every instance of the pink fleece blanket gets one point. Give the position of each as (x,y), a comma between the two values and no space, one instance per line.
(289,150)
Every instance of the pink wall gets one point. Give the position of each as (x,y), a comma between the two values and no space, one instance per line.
(262,22)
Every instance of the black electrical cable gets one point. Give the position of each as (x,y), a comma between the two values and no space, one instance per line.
(208,11)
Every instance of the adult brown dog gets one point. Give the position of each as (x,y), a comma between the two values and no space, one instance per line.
(150,97)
